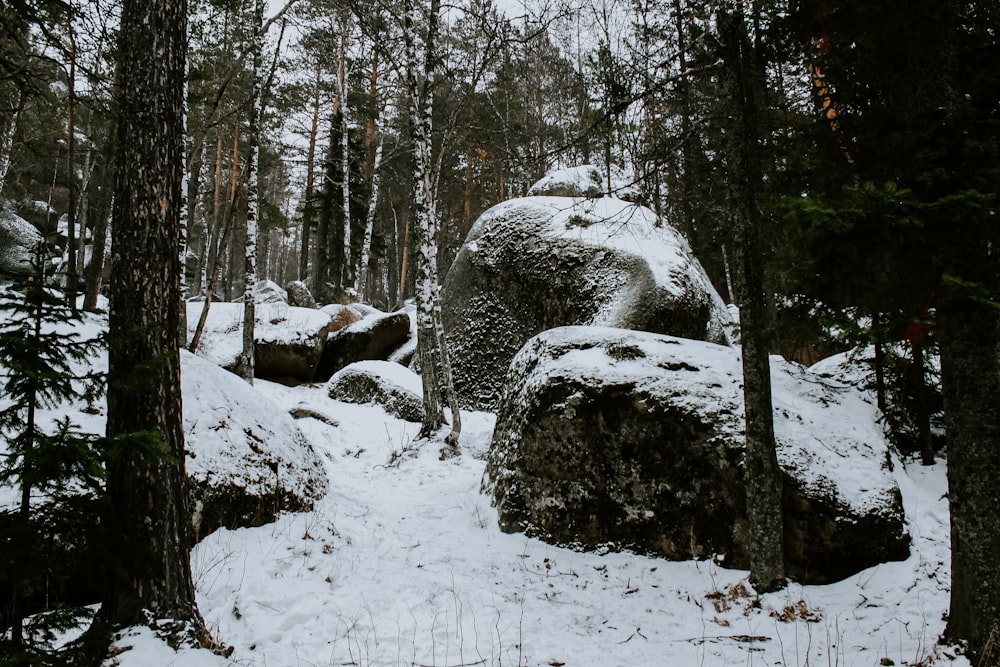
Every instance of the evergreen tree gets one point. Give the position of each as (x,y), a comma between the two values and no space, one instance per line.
(919,116)
(44,360)
(148,524)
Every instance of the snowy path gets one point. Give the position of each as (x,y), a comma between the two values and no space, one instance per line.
(403,564)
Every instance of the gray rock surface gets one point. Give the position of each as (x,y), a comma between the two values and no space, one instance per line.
(395,388)
(18,238)
(371,338)
(618,439)
(541,262)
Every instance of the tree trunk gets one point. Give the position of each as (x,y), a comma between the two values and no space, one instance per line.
(71,172)
(970,378)
(361,279)
(345,161)
(93,273)
(148,524)
(245,364)
(7,141)
(309,207)
(434,367)
(761,472)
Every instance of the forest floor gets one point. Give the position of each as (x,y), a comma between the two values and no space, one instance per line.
(402,563)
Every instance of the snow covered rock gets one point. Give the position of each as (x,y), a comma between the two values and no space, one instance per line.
(585,181)
(18,238)
(630,440)
(540,262)
(268,291)
(246,461)
(299,295)
(395,388)
(341,315)
(288,341)
(373,337)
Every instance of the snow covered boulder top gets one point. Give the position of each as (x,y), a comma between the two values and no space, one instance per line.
(585,181)
(540,262)
(374,337)
(626,439)
(18,238)
(246,458)
(397,389)
(288,340)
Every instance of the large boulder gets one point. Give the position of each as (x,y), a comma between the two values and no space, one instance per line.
(246,461)
(373,337)
(18,239)
(288,341)
(395,388)
(299,295)
(618,439)
(269,292)
(540,262)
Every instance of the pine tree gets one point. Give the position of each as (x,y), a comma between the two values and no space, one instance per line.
(148,524)
(45,361)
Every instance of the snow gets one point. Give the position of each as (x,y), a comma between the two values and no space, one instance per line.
(240,436)
(222,340)
(585,181)
(386,372)
(402,563)
(607,222)
(826,433)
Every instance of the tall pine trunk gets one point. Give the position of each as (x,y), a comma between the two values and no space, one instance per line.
(149,525)
(761,473)
(970,380)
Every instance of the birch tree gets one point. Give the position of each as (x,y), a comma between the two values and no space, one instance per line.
(435,369)
(246,360)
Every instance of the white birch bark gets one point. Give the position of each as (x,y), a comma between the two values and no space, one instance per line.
(345,155)
(438,389)
(246,365)
(360,281)
(7,145)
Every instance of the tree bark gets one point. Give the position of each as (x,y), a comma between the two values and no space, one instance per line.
(970,375)
(245,364)
(71,172)
(761,472)
(345,160)
(309,206)
(148,522)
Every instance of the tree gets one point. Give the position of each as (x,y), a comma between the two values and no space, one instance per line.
(435,368)
(761,471)
(919,113)
(53,466)
(148,523)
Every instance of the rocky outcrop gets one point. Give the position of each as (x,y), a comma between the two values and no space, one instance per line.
(269,292)
(245,461)
(630,440)
(532,264)
(18,238)
(395,388)
(373,337)
(299,295)
(586,180)
(288,341)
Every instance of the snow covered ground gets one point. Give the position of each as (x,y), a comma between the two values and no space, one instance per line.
(403,564)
